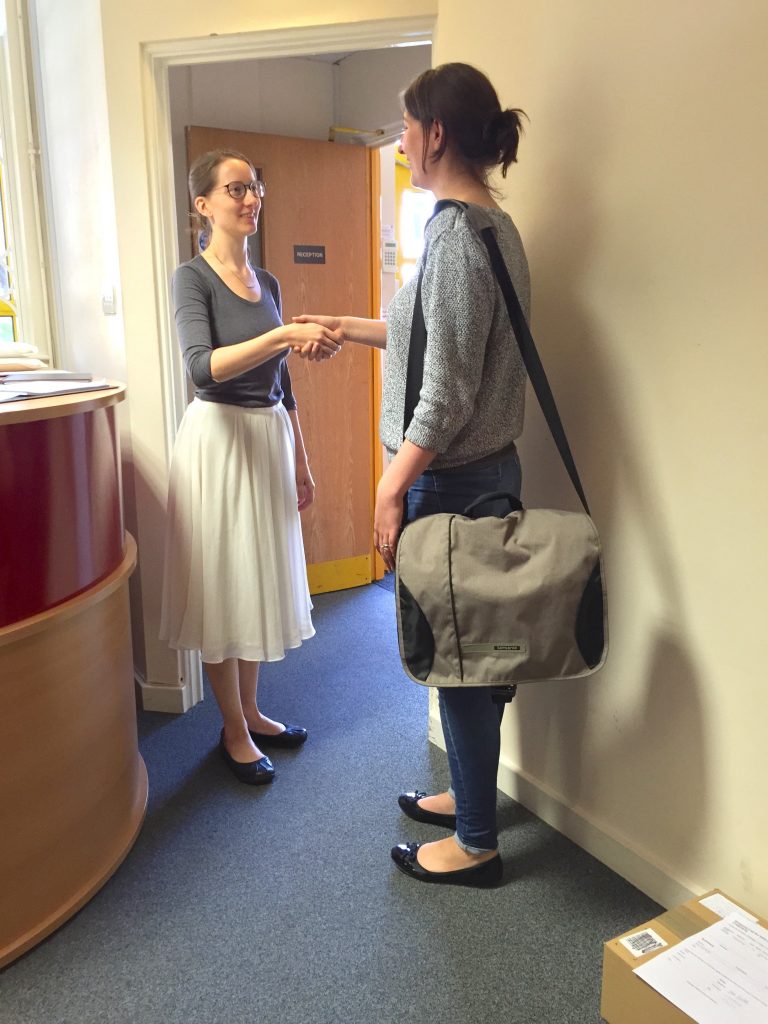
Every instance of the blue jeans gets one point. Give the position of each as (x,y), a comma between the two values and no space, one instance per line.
(470,717)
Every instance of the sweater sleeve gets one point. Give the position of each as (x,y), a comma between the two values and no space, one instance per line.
(193,324)
(458,301)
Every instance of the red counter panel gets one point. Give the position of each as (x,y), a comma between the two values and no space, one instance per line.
(61,525)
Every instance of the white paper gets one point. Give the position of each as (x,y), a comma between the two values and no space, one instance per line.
(21,390)
(40,375)
(57,387)
(718,976)
(722,906)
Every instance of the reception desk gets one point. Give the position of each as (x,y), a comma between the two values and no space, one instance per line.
(73,788)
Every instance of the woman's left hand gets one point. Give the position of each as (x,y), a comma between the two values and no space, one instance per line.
(387,522)
(305,486)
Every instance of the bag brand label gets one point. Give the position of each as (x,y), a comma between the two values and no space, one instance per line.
(518,647)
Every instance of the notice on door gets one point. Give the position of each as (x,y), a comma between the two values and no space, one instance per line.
(309,254)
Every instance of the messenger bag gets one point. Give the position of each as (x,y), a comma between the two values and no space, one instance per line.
(489,601)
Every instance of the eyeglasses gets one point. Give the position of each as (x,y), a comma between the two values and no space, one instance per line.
(237,189)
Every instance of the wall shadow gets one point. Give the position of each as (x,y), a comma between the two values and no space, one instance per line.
(580,737)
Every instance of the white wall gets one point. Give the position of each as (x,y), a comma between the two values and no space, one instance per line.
(78,165)
(388,219)
(370,83)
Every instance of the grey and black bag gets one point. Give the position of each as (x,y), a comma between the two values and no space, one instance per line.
(489,601)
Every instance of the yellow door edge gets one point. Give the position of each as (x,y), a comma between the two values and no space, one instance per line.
(341,574)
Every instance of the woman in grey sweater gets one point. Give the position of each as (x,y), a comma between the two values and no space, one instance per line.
(460,442)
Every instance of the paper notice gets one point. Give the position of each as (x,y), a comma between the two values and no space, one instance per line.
(722,906)
(718,976)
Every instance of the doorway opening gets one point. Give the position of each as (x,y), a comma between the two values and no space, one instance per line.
(190,68)
(318,128)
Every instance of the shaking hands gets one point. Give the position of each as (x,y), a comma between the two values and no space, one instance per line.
(316,337)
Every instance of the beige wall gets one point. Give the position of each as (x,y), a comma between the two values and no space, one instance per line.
(641,195)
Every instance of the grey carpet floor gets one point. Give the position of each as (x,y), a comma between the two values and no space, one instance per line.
(280,905)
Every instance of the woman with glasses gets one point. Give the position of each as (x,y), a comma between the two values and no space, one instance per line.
(235,583)
(460,441)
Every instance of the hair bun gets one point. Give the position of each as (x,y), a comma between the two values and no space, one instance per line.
(502,134)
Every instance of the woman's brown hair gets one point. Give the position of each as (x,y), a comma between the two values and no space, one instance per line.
(463,100)
(202,178)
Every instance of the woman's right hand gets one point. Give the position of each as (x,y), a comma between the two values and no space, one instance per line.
(314,340)
(332,323)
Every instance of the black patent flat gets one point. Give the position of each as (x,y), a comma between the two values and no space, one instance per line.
(409,804)
(254,773)
(481,876)
(291,736)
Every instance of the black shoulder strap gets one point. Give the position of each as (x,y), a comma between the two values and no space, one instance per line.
(418,342)
(483,227)
(416,350)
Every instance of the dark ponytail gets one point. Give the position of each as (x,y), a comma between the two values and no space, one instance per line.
(502,134)
(463,100)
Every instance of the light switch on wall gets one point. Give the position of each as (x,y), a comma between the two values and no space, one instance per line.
(108,301)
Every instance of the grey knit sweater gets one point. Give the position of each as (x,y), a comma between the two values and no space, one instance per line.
(473,393)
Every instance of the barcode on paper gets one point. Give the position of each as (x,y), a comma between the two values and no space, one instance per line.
(643,942)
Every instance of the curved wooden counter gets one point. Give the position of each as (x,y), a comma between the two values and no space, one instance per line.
(73,787)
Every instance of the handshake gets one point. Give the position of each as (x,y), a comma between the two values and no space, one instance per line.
(316,337)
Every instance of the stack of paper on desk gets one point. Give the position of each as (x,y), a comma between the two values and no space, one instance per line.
(23,385)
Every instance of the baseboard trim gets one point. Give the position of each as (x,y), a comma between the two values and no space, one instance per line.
(637,866)
(171,700)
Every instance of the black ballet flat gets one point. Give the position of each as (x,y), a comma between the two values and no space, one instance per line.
(409,804)
(292,736)
(254,773)
(481,876)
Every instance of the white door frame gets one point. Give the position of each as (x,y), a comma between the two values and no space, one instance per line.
(157,58)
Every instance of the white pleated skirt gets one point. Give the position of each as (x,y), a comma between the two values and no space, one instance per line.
(235,578)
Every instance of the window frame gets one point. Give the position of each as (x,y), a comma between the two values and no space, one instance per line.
(23,187)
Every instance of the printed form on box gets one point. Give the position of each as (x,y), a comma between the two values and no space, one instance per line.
(718,976)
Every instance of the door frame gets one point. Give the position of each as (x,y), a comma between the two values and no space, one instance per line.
(157,58)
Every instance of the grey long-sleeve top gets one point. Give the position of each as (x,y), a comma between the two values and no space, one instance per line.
(473,393)
(210,315)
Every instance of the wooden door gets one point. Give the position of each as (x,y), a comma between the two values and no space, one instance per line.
(319,198)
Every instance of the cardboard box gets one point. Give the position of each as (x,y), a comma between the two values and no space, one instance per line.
(627,999)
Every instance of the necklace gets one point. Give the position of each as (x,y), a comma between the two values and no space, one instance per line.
(248,285)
